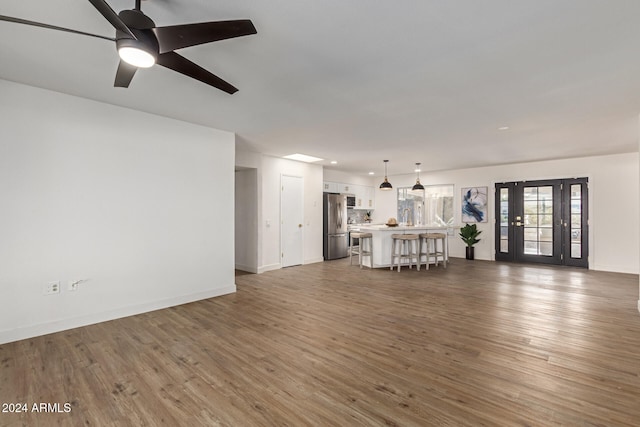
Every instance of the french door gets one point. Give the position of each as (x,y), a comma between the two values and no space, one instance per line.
(543,221)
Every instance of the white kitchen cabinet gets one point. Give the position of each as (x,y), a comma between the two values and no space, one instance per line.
(364,197)
(370,199)
(330,187)
(345,188)
(337,187)
(358,191)
(364,194)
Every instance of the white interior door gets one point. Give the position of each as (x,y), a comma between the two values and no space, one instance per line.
(292,220)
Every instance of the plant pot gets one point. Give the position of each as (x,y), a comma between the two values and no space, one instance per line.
(470,252)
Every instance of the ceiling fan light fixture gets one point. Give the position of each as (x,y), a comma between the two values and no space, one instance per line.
(138,41)
(141,53)
(136,57)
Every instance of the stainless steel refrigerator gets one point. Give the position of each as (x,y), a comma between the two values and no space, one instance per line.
(334,226)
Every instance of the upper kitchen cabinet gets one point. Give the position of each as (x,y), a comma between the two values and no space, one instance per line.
(345,188)
(364,194)
(360,191)
(330,187)
(337,187)
(365,197)
(370,199)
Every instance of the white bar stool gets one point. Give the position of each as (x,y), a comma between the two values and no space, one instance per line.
(429,248)
(364,248)
(404,246)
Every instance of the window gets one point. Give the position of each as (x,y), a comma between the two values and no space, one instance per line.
(432,206)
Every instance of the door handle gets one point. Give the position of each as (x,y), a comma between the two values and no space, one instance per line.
(299,225)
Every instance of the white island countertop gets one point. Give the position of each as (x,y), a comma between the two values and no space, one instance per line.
(378,227)
(381,241)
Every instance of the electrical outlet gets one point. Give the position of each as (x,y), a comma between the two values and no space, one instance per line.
(52,288)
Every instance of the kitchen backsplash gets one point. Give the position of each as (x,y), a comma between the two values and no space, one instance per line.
(356,216)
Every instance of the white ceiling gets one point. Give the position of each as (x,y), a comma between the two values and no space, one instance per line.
(359,81)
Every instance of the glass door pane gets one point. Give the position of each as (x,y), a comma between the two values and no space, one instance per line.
(576,221)
(538,233)
(504,222)
(529,226)
(576,248)
(538,220)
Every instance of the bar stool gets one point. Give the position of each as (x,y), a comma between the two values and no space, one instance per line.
(364,248)
(353,249)
(429,248)
(404,246)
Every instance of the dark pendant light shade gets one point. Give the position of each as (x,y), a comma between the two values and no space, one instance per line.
(386,185)
(418,186)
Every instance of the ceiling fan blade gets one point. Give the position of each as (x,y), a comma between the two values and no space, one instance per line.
(182,65)
(112,17)
(179,36)
(51,27)
(124,74)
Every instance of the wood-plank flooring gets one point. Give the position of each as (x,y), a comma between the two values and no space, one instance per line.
(477,344)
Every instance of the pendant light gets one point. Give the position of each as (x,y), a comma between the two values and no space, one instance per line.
(418,186)
(386,185)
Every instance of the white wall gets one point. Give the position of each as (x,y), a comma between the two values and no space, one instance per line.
(332,175)
(614,194)
(130,201)
(272,170)
(269,171)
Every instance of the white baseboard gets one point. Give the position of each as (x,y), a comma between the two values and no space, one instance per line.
(269,267)
(614,268)
(247,268)
(76,322)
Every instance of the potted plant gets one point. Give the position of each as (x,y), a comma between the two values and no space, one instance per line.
(367,216)
(469,234)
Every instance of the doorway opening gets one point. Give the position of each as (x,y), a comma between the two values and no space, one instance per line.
(246,219)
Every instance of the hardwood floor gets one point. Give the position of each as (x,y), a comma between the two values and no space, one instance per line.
(477,344)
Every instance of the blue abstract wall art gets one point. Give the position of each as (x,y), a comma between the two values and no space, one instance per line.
(474,204)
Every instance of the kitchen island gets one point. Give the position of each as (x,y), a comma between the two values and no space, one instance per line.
(382,239)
